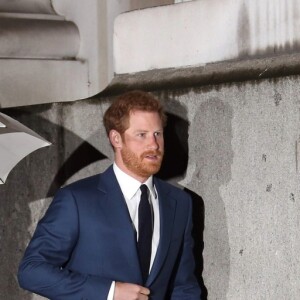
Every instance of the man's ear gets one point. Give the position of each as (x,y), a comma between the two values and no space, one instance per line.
(115,138)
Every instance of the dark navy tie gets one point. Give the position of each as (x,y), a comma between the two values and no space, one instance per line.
(145,232)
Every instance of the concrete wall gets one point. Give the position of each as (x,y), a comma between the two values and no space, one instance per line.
(242,166)
(243,163)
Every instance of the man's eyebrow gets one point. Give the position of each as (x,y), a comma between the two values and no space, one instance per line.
(145,130)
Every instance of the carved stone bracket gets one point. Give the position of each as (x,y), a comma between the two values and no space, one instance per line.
(38,51)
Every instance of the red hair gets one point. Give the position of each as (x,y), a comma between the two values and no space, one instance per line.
(117,115)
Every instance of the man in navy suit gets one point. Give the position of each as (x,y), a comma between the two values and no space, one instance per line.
(98,241)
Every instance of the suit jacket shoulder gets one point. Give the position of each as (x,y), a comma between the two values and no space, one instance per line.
(90,183)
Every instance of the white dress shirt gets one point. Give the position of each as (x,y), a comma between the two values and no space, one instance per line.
(130,188)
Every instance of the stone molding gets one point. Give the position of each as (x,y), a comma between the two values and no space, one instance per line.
(27,31)
(27,6)
(38,39)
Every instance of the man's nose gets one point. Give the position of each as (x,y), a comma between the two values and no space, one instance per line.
(153,143)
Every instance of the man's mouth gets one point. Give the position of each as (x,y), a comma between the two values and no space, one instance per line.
(152,156)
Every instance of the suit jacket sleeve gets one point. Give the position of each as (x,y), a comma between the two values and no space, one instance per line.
(185,285)
(43,268)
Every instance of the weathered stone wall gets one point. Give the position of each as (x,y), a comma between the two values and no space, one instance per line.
(236,148)
(243,162)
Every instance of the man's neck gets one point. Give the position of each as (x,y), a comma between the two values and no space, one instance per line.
(125,170)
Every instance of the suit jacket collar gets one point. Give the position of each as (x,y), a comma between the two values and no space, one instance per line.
(114,207)
(167,207)
(117,213)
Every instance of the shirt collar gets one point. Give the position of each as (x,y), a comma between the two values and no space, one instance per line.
(130,185)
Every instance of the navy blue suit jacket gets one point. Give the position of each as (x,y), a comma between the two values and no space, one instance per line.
(86,240)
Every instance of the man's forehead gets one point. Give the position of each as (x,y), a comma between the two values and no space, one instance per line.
(138,112)
(144,121)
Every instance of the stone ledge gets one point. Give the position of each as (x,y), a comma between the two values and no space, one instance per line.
(206,75)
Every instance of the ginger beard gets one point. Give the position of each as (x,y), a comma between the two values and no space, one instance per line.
(145,165)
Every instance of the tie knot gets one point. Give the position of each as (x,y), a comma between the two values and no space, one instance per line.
(144,189)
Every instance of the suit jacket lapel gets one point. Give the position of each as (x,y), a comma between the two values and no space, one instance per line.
(116,211)
(167,208)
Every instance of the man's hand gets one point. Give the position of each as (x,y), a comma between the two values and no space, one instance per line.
(129,291)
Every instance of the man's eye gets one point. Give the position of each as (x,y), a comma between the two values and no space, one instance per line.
(141,134)
(158,134)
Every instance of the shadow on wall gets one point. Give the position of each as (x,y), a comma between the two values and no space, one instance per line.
(83,156)
(174,167)
(40,174)
(176,148)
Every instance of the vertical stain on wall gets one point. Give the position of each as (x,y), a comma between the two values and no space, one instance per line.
(277,98)
(297,154)
(243,34)
(268,27)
